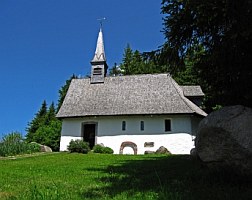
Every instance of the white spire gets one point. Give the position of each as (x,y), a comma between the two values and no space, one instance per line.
(99,52)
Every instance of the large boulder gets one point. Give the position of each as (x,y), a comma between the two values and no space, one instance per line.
(224,139)
(43,148)
(162,150)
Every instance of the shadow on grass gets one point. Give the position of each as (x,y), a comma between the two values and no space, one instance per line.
(166,177)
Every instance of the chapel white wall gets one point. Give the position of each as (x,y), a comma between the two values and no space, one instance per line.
(109,132)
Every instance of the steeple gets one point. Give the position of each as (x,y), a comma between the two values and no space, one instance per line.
(99,65)
(99,52)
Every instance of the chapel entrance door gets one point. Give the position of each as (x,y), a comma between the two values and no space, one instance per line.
(89,131)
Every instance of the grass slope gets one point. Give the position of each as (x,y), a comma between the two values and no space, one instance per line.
(97,176)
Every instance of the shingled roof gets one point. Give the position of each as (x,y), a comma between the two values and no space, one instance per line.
(127,95)
(192,91)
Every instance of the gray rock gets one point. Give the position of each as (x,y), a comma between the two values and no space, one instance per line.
(224,139)
(149,152)
(101,144)
(43,148)
(193,153)
(163,150)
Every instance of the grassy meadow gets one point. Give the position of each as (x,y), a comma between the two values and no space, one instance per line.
(99,176)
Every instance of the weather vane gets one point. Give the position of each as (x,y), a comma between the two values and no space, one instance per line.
(101,20)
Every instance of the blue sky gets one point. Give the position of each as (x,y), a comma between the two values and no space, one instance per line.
(44,42)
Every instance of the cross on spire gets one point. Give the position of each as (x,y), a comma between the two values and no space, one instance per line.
(101,20)
(99,65)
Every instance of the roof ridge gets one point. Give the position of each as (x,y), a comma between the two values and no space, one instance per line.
(139,75)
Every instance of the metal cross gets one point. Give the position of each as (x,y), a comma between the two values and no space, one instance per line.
(100,20)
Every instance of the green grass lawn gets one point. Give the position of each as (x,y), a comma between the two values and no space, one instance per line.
(97,176)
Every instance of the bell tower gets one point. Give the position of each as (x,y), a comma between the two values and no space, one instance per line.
(99,64)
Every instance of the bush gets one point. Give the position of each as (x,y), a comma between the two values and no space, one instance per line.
(100,149)
(13,144)
(78,146)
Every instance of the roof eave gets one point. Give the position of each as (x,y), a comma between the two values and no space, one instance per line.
(156,114)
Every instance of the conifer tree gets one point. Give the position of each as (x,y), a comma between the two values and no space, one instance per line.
(38,120)
(135,62)
(49,132)
(45,128)
(63,91)
(126,65)
(219,33)
(51,114)
(115,70)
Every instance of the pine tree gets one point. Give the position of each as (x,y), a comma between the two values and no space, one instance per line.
(38,120)
(50,115)
(45,128)
(222,29)
(135,62)
(115,70)
(126,65)
(63,91)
